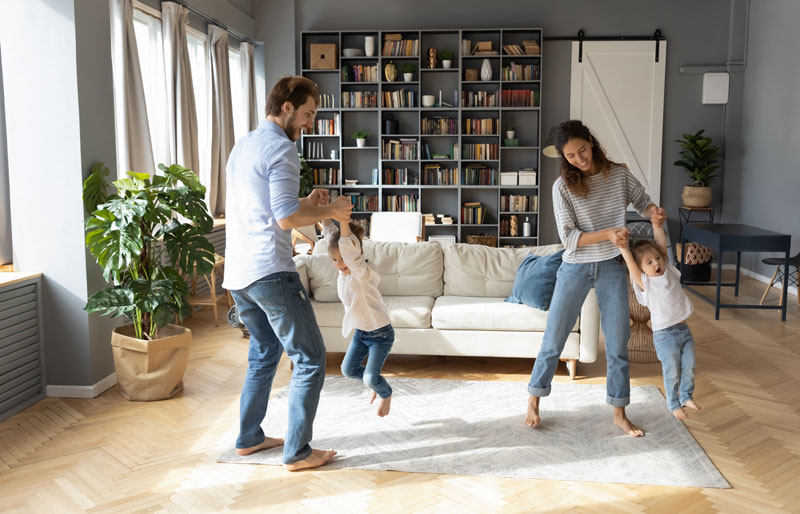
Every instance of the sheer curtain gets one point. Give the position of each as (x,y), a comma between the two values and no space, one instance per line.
(182,134)
(248,85)
(222,136)
(134,148)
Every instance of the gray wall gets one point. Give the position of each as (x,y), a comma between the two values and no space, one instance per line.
(765,191)
(696,32)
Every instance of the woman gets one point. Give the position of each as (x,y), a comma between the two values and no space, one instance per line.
(589,200)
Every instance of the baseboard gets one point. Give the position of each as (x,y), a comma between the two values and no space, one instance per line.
(92,391)
(752,274)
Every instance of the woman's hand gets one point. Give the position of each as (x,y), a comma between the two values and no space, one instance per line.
(658,217)
(618,236)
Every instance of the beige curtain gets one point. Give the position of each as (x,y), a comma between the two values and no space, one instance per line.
(134,147)
(222,137)
(249,85)
(182,135)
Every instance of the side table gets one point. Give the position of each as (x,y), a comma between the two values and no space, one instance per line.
(685,216)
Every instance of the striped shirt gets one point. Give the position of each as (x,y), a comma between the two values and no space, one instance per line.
(603,207)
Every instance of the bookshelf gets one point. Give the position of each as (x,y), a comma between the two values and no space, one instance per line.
(438,158)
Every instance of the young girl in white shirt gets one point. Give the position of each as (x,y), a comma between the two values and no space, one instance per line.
(364,311)
(657,285)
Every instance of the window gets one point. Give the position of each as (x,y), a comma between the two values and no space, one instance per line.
(198,59)
(240,127)
(147,27)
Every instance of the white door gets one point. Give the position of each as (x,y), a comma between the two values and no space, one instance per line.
(618,92)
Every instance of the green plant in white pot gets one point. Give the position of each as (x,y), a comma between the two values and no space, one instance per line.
(131,234)
(698,158)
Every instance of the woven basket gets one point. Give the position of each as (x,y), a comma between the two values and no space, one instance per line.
(640,345)
(482,239)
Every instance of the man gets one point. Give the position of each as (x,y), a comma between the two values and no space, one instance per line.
(263,181)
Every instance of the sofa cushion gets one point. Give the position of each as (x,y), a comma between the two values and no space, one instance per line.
(482,313)
(477,270)
(536,280)
(322,276)
(404,312)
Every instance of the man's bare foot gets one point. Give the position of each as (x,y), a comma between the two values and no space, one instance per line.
(267,443)
(680,413)
(692,405)
(622,421)
(383,404)
(316,459)
(532,420)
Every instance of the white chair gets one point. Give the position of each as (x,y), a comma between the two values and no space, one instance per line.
(406,227)
(304,239)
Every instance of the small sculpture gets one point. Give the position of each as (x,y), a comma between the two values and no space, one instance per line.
(514,231)
(390,70)
(432,58)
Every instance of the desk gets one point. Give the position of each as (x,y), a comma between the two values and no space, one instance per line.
(733,237)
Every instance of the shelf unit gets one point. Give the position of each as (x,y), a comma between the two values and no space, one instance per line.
(362,164)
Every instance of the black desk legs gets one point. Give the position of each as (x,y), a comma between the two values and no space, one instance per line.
(719,281)
(786,285)
(738,265)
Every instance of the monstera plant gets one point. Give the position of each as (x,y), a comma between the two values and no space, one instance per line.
(148,237)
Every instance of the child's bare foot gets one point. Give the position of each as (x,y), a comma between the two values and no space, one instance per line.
(532,420)
(316,459)
(680,413)
(383,404)
(267,443)
(622,421)
(692,405)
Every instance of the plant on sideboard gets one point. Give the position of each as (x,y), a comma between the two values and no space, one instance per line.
(698,158)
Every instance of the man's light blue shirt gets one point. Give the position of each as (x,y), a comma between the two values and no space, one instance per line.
(262,181)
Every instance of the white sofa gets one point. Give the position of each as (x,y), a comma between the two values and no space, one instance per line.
(448,300)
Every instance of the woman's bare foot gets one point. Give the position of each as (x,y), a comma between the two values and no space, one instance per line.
(267,443)
(622,421)
(680,413)
(532,420)
(692,405)
(316,459)
(383,404)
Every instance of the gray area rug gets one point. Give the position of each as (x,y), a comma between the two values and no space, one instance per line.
(477,428)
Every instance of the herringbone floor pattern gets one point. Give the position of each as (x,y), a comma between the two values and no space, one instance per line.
(113,456)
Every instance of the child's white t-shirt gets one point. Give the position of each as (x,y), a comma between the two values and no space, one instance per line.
(363,304)
(665,298)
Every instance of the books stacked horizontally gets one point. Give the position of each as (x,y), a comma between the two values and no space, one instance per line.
(484,48)
(395,46)
(519,203)
(400,149)
(362,202)
(481,126)
(434,174)
(473,213)
(478,175)
(360,73)
(325,176)
(531,47)
(359,99)
(481,152)
(439,125)
(400,203)
(399,177)
(516,71)
(479,98)
(327,126)
(400,98)
(437,219)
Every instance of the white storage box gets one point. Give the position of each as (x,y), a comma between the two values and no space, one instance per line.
(508,178)
(527,178)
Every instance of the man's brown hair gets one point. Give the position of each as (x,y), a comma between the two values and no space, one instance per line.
(290,89)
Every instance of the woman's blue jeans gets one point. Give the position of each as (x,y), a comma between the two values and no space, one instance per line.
(375,346)
(279,316)
(573,282)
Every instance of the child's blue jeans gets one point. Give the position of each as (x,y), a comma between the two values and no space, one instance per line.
(675,349)
(375,345)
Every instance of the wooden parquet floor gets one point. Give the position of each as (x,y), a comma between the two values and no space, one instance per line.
(108,455)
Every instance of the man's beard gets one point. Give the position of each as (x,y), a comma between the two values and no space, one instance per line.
(291,128)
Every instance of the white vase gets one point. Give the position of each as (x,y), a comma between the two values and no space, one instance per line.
(486,70)
(510,134)
(408,77)
(361,142)
(369,46)
(446,64)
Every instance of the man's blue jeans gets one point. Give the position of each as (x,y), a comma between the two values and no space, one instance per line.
(675,349)
(375,345)
(278,313)
(573,282)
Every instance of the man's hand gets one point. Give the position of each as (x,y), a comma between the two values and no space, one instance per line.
(619,236)
(319,197)
(658,217)
(341,209)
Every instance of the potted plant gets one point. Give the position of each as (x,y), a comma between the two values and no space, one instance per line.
(408,72)
(447,58)
(361,137)
(306,182)
(699,157)
(510,131)
(145,238)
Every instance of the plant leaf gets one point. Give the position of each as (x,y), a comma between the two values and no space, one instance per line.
(95,187)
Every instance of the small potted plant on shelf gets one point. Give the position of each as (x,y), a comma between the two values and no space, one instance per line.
(146,238)
(361,137)
(698,158)
(447,58)
(510,131)
(408,72)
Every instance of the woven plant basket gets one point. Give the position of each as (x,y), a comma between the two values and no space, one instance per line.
(482,239)
(640,345)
